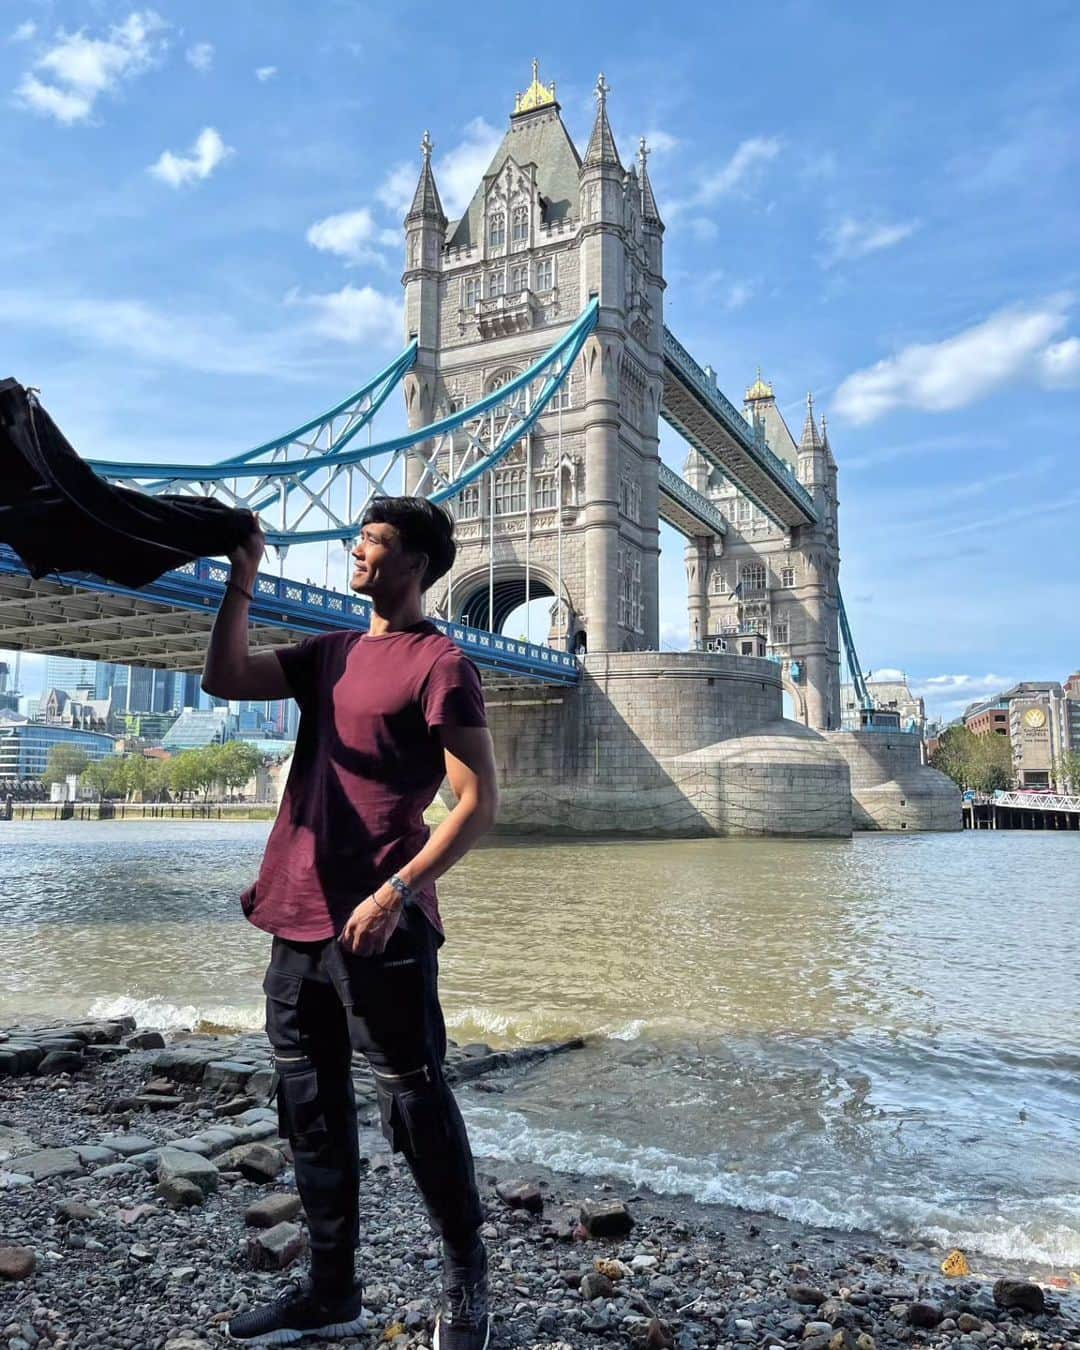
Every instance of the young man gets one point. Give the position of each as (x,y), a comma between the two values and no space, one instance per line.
(346,887)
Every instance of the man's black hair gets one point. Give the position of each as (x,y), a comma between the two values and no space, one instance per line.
(423,528)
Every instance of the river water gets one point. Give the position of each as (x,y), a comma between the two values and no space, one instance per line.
(880,1032)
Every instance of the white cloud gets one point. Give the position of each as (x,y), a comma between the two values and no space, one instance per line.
(355,314)
(353,235)
(1012,344)
(948,695)
(660,141)
(886,673)
(201,56)
(1059,364)
(265,73)
(24,32)
(77,69)
(739,294)
(208,151)
(851,239)
(741,169)
(458,172)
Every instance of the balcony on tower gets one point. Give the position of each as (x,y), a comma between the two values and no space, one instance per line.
(513,312)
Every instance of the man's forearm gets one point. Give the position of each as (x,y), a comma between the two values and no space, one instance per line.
(468,822)
(227,652)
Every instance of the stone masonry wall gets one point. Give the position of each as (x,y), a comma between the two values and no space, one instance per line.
(891,788)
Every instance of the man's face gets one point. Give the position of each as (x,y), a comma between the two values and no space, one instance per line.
(382,566)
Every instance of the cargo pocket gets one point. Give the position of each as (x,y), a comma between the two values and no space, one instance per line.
(301,1117)
(414,1116)
(282,1016)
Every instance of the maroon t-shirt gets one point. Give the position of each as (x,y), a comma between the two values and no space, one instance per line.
(367,764)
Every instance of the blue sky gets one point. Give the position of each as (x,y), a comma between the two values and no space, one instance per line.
(875,203)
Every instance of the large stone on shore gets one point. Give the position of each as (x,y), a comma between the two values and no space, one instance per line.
(127,1144)
(173,1165)
(180,1193)
(606,1218)
(226,1076)
(272,1209)
(183,1066)
(1012,1292)
(47,1163)
(924,1313)
(16,1263)
(259,1162)
(805,1293)
(146,1040)
(77,1211)
(521,1195)
(95,1155)
(595,1285)
(275,1248)
(148,1101)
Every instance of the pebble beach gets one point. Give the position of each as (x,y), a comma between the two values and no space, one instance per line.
(145,1197)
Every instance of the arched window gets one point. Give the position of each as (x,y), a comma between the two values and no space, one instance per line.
(469,502)
(519,278)
(719,583)
(509,491)
(545,274)
(497,381)
(497,229)
(752,576)
(496,283)
(519,224)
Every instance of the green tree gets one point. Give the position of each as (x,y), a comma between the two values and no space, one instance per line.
(63,761)
(981,763)
(236,762)
(105,777)
(190,772)
(1067,771)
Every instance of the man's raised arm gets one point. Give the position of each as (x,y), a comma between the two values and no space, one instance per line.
(231,671)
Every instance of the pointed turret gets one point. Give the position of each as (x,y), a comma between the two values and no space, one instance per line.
(602,151)
(425,203)
(810,440)
(650,213)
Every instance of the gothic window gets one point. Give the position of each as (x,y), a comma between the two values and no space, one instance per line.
(636,598)
(545,274)
(546,492)
(509,492)
(496,283)
(519,278)
(519,224)
(787,576)
(469,503)
(630,498)
(414,251)
(780,633)
(497,229)
(719,583)
(470,292)
(592,202)
(515,401)
(631,602)
(756,626)
(742,510)
(752,576)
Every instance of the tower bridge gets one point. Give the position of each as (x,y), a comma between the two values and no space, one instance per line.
(535,370)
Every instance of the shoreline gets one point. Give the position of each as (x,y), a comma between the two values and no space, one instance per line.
(712,1274)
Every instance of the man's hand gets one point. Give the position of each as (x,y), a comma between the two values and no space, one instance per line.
(372,923)
(246,557)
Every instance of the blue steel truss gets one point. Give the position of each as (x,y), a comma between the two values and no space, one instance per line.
(322,479)
(296,607)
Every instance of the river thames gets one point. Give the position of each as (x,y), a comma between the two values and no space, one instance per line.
(880,1032)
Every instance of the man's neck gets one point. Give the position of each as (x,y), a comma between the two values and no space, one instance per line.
(393,616)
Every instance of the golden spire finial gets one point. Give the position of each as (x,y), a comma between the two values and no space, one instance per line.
(760,389)
(537,95)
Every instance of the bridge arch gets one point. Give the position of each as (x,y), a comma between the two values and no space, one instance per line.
(797,696)
(483,599)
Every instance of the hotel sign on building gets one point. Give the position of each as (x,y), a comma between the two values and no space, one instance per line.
(1034,744)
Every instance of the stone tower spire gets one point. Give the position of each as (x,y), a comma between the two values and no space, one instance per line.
(426,204)
(810,439)
(601,149)
(650,213)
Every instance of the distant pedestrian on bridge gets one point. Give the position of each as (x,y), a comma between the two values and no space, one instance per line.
(346,887)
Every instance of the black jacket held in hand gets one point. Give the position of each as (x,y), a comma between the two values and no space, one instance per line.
(59,516)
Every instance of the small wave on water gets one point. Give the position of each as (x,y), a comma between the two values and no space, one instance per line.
(163,1015)
(478,1023)
(1007,1229)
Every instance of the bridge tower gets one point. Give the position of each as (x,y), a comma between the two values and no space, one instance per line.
(782,583)
(572,512)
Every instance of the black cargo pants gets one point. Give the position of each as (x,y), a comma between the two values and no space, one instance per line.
(322,1004)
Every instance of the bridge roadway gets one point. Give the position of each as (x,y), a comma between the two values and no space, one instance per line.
(167,623)
(699,412)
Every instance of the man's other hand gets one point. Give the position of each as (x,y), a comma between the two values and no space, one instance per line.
(247,556)
(372,923)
